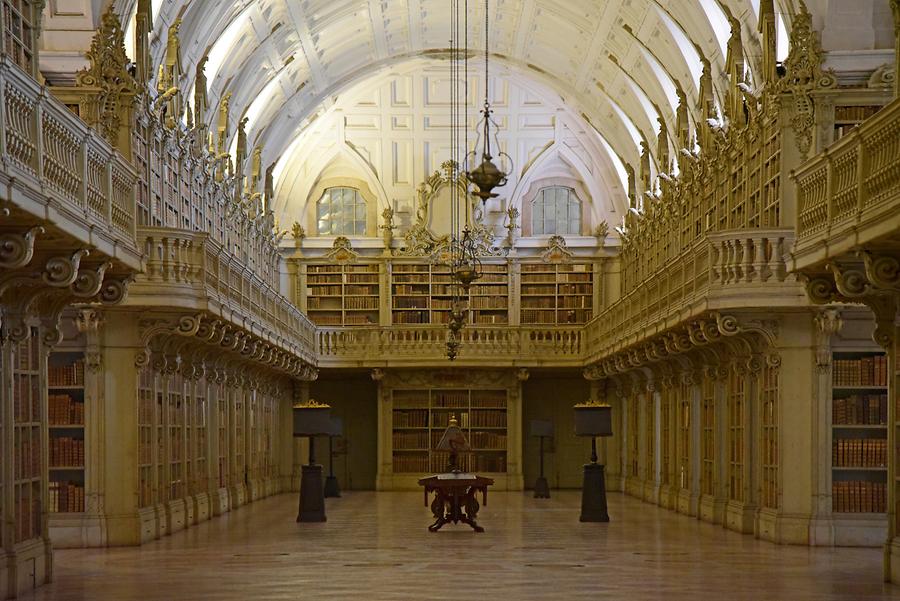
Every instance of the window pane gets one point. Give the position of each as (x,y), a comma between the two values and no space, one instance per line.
(575,226)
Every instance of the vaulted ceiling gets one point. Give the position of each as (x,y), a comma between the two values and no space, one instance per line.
(615,62)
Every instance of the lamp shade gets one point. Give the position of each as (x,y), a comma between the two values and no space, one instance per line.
(593,420)
(312,419)
(542,427)
(337,427)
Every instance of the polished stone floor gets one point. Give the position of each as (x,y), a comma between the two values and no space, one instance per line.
(375,547)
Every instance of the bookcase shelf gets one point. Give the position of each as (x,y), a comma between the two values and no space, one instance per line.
(556,294)
(66,416)
(859,432)
(420,416)
(343,295)
(423,294)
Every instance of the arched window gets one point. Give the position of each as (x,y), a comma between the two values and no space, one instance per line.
(341,212)
(556,210)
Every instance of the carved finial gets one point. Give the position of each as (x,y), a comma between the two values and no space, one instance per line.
(601,231)
(803,74)
(108,72)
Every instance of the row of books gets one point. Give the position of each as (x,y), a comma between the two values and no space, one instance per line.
(64,410)
(26,354)
(26,398)
(327,320)
(410,440)
(327,303)
(863,409)
(866,371)
(66,497)
(411,419)
(409,463)
(576,289)
(66,451)
(324,279)
(412,317)
(575,302)
(28,515)
(859,452)
(359,319)
(324,291)
(361,290)
(411,302)
(854,113)
(538,278)
(564,316)
(859,497)
(491,319)
(488,419)
(66,375)
(362,278)
(496,303)
(488,398)
(487,440)
(361,302)
(538,289)
(27,457)
(450,399)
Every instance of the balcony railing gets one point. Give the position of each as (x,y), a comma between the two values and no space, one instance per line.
(722,270)
(850,193)
(63,171)
(191,270)
(526,346)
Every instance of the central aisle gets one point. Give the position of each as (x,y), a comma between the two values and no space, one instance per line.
(375,547)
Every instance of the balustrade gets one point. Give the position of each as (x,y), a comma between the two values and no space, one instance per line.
(715,266)
(398,345)
(206,269)
(56,157)
(848,194)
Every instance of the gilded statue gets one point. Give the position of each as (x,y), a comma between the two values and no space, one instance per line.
(222,125)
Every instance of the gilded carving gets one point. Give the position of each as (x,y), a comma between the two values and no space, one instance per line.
(108,72)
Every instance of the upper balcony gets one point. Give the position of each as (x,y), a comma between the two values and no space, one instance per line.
(410,346)
(59,174)
(848,195)
(727,270)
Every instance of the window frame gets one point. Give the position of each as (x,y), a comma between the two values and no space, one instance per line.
(338,220)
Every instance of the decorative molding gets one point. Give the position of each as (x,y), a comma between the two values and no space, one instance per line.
(557,251)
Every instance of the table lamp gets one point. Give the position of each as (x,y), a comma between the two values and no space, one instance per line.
(311,419)
(455,442)
(542,429)
(593,419)
(332,488)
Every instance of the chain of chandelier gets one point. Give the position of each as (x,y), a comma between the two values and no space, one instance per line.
(481,174)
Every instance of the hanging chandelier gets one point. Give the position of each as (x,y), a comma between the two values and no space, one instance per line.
(480,166)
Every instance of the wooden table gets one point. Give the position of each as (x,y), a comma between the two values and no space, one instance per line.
(454,499)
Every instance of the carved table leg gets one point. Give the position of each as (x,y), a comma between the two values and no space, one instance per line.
(471,511)
(437,508)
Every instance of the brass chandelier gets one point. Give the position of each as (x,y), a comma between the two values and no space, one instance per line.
(480,167)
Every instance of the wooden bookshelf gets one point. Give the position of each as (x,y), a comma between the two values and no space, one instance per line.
(343,295)
(846,118)
(66,413)
(489,296)
(420,417)
(424,294)
(859,451)
(146,422)
(557,294)
(27,420)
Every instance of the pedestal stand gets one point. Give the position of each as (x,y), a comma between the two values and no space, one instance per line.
(312,500)
(593,490)
(541,489)
(332,488)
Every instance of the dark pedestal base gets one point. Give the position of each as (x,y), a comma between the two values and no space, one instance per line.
(312,501)
(593,494)
(332,488)
(541,489)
